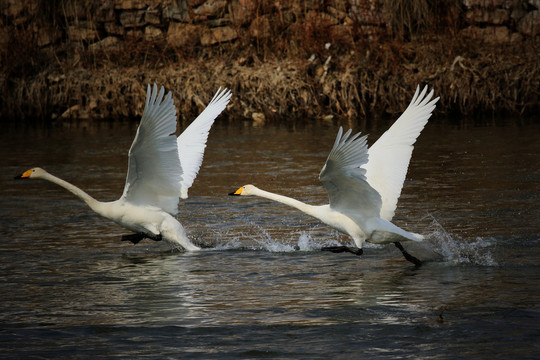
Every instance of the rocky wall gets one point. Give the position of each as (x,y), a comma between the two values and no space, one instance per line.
(61,31)
(500,21)
(184,23)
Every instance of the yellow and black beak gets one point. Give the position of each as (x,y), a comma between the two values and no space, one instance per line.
(24,175)
(237,192)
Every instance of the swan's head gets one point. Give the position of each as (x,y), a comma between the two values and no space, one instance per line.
(244,191)
(33,173)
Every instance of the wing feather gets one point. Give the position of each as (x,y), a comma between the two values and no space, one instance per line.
(192,142)
(345,181)
(154,167)
(389,157)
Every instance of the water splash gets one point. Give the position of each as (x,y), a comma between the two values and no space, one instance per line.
(306,242)
(266,242)
(258,238)
(456,250)
(439,244)
(232,243)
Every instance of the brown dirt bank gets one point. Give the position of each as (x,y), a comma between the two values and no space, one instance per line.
(378,81)
(284,60)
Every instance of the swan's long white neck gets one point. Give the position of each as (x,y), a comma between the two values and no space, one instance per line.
(306,208)
(90,201)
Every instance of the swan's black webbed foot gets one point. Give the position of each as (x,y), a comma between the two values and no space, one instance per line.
(154,237)
(408,256)
(134,238)
(340,249)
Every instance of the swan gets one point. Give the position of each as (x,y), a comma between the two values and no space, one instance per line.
(161,168)
(364,184)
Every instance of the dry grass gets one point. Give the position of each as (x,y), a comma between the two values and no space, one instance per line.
(356,86)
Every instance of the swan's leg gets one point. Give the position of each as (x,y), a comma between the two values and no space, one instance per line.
(134,238)
(340,249)
(408,256)
(154,237)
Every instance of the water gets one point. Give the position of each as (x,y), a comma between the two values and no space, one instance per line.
(262,288)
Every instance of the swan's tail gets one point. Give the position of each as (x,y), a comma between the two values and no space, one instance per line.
(385,237)
(386,232)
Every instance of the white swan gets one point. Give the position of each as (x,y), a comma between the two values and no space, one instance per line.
(364,184)
(161,169)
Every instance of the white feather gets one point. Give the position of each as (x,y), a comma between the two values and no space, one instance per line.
(192,142)
(154,167)
(389,157)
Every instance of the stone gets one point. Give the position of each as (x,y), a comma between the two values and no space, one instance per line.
(132,4)
(193,3)
(181,35)
(152,16)
(55,79)
(13,8)
(489,34)
(74,112)
(320,19)
(517,14)
(47,36)
(134,34)
(530,23)
(113,28)
(19,12)
(130,19)
(221,21)
(488,3)
(108,42)
(218,35)
(81,32)
(535,3)
(152,33)
(338,14)
(260,27)
(240,14)
(248,4)
(105,13)
(258,118)
(210,8)
(495,16)
(177,11)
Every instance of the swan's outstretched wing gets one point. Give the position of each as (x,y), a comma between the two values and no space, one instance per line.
(345,180)
(390,155)
(154,167)
(192,142)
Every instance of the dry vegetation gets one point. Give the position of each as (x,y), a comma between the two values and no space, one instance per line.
(287,75)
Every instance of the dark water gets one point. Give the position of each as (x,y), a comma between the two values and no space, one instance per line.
(70,289)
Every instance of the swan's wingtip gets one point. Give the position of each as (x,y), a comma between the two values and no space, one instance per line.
(418,237)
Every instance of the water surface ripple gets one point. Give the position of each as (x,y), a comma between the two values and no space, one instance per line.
(261,288)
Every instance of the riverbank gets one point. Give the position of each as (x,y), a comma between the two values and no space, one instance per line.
(315,68)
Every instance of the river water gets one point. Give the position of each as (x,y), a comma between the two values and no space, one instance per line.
(261,288)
